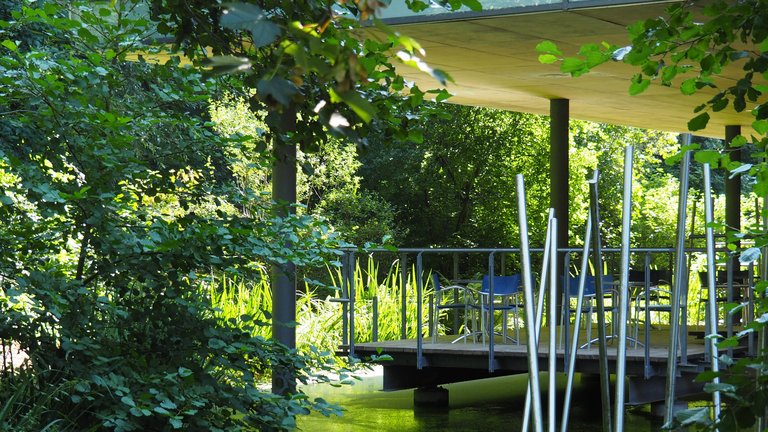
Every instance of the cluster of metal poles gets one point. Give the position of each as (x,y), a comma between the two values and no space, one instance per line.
(613,418)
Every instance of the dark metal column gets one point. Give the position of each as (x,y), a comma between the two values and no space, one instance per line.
(284,275)
(558,176)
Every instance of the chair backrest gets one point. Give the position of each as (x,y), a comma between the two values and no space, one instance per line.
(589,285)
(436,282)
(655,276)
(502,285)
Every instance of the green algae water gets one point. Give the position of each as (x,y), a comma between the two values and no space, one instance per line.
(487,405)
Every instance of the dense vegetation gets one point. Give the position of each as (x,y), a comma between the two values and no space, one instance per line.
(139,219)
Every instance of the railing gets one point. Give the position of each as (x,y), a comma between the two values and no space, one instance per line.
(569,255)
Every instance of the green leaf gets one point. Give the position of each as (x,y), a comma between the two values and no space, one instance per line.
(740,169)
(693,416)
(473,5)
(547,58)
(184,372)
(359,104)
(216,343)
(749,255)
(764,45)
(281,90)
(246,16)
(176,422)
(688,87)
(11,45)
(636,88)
(711,157)
(699,122)
(723,387)
(168,404)
(548,47)
(128,401)
(226,64)
(571,65)
(760,126)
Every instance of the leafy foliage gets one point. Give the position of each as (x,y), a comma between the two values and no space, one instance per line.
(119,202)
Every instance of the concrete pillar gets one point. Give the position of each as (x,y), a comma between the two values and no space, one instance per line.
(558,177)
(284,275)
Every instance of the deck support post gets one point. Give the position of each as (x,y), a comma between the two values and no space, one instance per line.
(284,275)
(430,397)
(559,114)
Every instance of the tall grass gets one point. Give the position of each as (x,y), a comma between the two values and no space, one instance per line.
(319,319)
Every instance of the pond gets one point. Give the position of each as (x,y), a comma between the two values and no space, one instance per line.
(487,405)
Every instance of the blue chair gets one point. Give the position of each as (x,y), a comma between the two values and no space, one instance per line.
(507,297)
(457,298)
(589,305)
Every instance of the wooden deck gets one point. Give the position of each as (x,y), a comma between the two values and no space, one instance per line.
(444,362)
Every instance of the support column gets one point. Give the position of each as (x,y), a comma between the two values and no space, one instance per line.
(558,176)
(733,186)
(284,275)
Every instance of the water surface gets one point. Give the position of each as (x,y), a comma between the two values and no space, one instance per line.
(488,405)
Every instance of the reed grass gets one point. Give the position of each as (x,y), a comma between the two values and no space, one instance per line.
(319,319)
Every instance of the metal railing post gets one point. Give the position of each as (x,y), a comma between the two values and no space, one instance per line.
(419,297)
(403,296)
(375,329)
(352,266)
(491,316)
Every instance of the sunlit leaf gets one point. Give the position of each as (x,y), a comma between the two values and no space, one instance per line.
(548,47)
(749,255)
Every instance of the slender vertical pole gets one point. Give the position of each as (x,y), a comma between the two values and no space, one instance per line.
(491,340)
(375,327)
(345,298)
(711,292)
(621,354)
(284,275)
(605,375)
(552,301)
(575,346)
(540,305)
(533,349)
(403,296)
(456,300)
(674,319)
(419,297)
(352,267)
(647,319)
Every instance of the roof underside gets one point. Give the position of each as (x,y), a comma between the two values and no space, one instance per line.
(494,64)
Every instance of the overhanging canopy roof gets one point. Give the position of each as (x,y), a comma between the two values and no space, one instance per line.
(493,60)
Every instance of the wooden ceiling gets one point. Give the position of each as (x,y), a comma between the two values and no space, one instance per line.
(494,64)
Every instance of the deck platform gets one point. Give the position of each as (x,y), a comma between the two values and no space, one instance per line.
(445,362)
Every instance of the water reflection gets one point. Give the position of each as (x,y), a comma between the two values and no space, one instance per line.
(484,405)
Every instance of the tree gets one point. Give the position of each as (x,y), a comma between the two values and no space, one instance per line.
(119,204)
